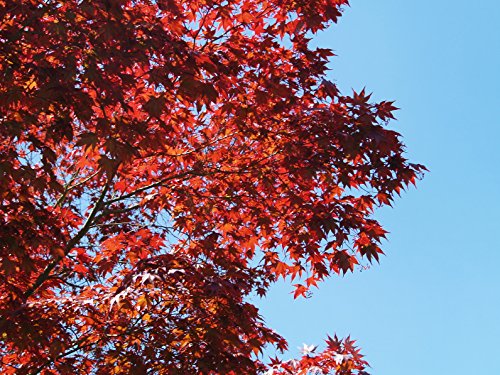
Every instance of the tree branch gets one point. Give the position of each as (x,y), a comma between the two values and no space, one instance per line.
(73,242)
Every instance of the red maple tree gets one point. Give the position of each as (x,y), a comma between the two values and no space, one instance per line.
(160,162)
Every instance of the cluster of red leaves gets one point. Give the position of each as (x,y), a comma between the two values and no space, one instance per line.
(160,162)
(339,357)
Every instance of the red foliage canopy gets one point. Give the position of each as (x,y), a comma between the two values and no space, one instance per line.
(160,162)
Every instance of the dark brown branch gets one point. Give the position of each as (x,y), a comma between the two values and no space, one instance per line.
(72,243)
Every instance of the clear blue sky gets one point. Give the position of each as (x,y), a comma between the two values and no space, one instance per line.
(432,307)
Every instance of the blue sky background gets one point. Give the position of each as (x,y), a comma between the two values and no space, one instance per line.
(432,306)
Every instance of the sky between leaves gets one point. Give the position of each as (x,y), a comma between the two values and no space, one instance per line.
(433,304)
